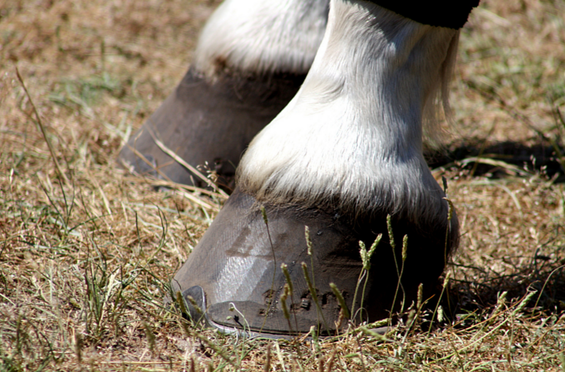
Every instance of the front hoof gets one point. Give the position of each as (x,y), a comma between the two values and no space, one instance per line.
(236,268)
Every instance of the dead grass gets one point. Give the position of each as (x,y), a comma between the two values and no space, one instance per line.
(85,264)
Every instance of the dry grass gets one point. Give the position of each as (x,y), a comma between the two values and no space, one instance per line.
(85,258)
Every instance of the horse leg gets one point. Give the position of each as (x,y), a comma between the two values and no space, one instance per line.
(251,58)
(345,159)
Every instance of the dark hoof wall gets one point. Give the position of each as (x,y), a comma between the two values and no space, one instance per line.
(207,123)
(235,275)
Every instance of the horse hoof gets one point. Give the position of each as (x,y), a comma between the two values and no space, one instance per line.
(234,275)
(207,123)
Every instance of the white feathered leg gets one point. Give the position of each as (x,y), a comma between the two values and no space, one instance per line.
(341,157)
(354,130)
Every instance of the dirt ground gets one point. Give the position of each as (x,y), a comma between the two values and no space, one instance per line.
(87,250)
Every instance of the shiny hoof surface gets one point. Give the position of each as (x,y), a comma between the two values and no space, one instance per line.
(234,274)
(207,123)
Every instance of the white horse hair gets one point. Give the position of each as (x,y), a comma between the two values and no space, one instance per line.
(262,36)
(354,131)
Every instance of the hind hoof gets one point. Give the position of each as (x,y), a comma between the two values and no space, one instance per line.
(208,123)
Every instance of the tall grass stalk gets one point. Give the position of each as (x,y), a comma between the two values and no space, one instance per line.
(445,283)
(272,300)
(399,282)
(312,282)
(314,294)
(284,268)
(364,274)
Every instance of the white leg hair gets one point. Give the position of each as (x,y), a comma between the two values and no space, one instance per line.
(353,132)
(262,36)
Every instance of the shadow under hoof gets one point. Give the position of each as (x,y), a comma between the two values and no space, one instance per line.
(538,157)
